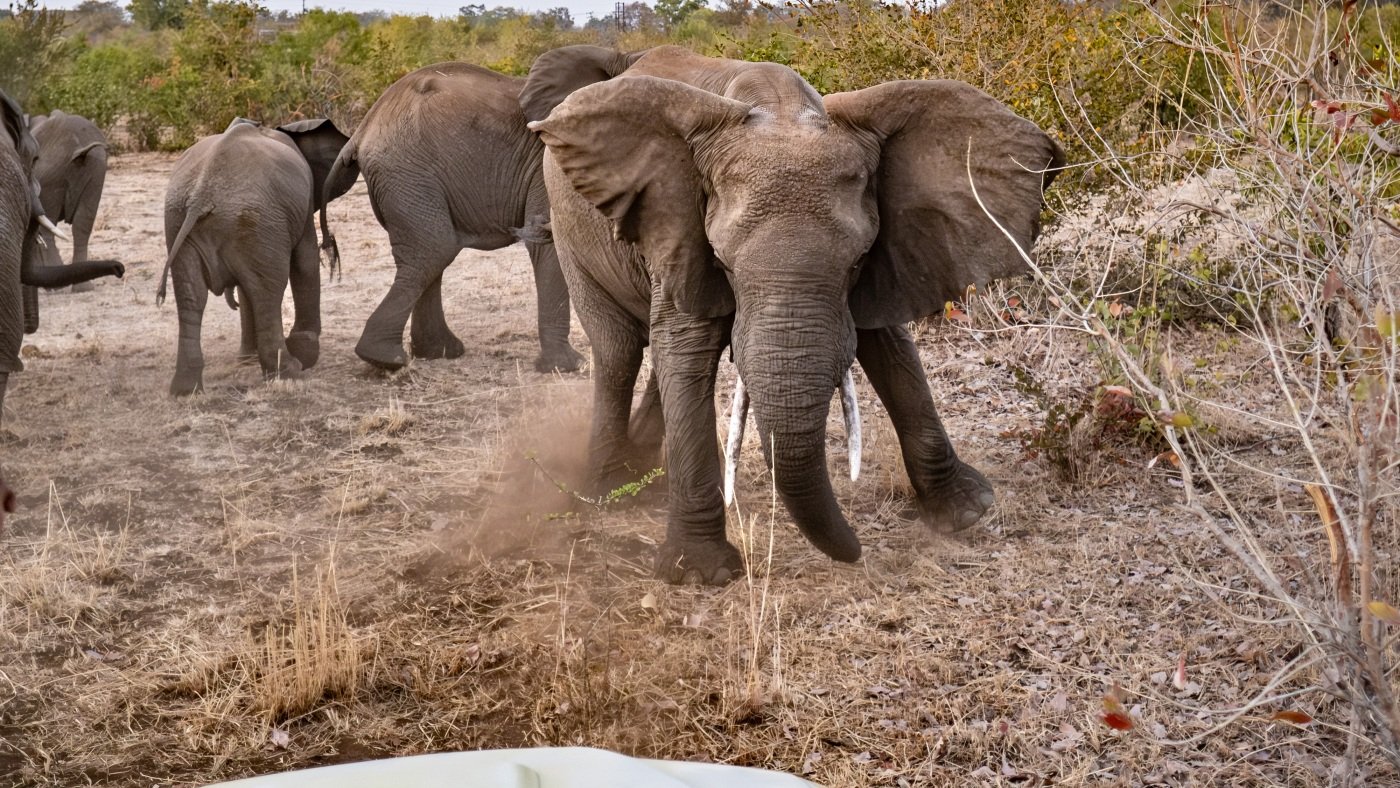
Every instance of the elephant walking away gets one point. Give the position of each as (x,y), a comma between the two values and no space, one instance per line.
(701,202)
(71,170)
(238,214)
(450,166)
(22,220)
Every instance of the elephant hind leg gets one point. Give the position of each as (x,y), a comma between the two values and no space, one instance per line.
(273,356)
(429,334)
(191,295)
(248,341)
(423,244)
(304,341)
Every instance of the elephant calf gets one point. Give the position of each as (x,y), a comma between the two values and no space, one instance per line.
(238,213)
(71,169)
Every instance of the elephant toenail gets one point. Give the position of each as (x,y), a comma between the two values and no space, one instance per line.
(986,499)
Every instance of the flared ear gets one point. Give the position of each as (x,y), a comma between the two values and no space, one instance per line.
(934,239)
(627,147)
(559,72)
(319,142)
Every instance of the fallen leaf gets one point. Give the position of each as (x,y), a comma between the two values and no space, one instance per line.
(1331,285)
(1116,309)
(1383,611)
(693,620)
(280,738)
(1298,718)
(648,601)
(1179,677)
(1118,391)
(1114,715)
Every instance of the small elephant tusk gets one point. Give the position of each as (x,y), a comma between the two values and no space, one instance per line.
(51,227)
(738,415)
(851,410)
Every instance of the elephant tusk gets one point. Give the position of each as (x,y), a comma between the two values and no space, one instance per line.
(51,227)
(851,410)
(738,414)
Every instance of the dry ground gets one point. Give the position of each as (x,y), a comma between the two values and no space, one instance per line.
(271,576)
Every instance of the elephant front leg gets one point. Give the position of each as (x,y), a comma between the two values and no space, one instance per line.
(552,307)
(304,341)
(951,494)
(686,353)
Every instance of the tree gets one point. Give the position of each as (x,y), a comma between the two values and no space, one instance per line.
(674,12)
(157,14)
(94,17)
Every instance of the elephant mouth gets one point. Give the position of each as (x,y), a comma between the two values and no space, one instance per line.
(738,422)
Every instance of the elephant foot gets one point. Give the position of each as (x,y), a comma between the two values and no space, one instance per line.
(382,355)
(186,383)
(960,502)
(290,370)
(305,346)
(84,287)
(699,563)
(448,346)
(564,359)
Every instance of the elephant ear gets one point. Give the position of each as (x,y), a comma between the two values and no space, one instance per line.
(627,147)
(559,72)
(934,239)
(320,142)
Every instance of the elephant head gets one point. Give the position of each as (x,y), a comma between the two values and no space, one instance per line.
(804,217)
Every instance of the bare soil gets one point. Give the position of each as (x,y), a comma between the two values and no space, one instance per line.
(279,575)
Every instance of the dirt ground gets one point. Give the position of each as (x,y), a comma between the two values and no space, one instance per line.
(279,575)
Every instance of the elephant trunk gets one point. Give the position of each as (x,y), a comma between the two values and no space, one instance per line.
(791,371)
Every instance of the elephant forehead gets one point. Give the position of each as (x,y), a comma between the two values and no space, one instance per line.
(783,151)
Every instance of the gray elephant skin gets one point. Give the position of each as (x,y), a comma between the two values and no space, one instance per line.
(71,170)
(238,214)
(699,203)
(450,165)
(21,220)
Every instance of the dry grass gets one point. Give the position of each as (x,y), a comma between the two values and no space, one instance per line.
(272,576)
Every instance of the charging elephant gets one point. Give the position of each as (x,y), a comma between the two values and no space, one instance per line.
(450,166)
(71,170)
(238,214)
(701,202)
(21,221)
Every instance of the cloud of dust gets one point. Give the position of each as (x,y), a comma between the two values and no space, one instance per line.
(523,511)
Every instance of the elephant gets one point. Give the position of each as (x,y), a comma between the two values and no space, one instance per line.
(72,167)
(22,220)
(450,165)
(701,203)
(238,214)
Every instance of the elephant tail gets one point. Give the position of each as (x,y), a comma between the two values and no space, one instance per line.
(341,177)
(191,219)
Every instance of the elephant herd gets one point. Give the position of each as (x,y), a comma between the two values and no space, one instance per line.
(681,202)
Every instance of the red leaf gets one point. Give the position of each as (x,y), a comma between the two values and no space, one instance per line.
(1118,722)
(1013,302)
(1114,715)
(1393,107)
(1292,717)
(1179,677)
(952,313)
